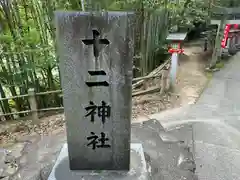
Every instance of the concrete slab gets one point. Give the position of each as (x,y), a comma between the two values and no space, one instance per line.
(166,155)
(216,132)
(138,168)
(215,87)
(217,162)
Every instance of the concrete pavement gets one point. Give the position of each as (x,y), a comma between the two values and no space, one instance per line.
(215,121)
(217,141)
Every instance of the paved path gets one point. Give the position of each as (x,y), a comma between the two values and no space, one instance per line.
(215,120)
(217,142)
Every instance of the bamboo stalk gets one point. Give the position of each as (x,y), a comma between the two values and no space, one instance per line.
(14,97)
(146,77)
(15,113)
(154,72)
(49,92)
(51,109)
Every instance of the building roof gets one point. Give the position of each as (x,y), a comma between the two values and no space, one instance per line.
(176,36)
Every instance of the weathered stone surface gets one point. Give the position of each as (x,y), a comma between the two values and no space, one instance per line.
(41,154)
(8,161)
(168,158)
(5,178)
(45,171)
(217,162)
(32,159)
(115,59)
(16,150)
(138,168)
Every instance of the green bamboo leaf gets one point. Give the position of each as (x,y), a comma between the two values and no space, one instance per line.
(6,38)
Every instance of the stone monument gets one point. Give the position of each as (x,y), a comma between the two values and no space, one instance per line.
(96,55)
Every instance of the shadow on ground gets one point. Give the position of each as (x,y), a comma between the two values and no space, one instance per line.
(168,157)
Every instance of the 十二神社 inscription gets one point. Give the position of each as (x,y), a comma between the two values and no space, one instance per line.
(96,52)
(95,42)
(98,142)
(102,111)
(99,83)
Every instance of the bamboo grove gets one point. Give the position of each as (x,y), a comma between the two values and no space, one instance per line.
(28,44)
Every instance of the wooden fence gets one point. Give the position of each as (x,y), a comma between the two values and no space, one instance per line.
(33,104)
(160,72)
(150,37)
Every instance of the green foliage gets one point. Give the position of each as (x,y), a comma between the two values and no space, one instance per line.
(27,38)
(6,38)
(187,12)
(220,65)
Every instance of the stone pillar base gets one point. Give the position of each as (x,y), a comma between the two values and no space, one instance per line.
(138,168)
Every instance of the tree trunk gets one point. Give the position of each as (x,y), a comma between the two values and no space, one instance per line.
(217,48)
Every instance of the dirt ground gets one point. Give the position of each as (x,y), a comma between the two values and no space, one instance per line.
(192,77)
(190,83)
